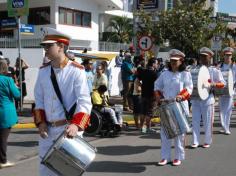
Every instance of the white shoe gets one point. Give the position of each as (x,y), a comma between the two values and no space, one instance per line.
(194,146)
(222,131)
(227,132)
(163,162)
(7,164)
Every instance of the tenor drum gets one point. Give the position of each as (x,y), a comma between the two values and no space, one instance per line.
(201,85)
(69,156)
(229,87)
(174,119)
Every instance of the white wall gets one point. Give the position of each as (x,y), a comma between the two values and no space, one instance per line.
(81,33)
(33,57)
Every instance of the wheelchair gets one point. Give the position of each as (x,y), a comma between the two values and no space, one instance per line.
(102,124)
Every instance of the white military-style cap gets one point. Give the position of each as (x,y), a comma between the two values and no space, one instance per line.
(206,51)
(176,54)
(228,51)
(52,35)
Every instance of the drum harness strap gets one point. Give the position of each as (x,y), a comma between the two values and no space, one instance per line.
(69,113)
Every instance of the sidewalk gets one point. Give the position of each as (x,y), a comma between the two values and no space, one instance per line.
(26,118)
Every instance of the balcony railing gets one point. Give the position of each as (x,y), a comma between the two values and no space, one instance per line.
(109,46)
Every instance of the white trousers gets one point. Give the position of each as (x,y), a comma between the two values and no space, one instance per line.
(225,104)
(206,112)
(166,147)
(45,144)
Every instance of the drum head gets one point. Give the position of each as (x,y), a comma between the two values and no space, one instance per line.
(203,84)
(230,83)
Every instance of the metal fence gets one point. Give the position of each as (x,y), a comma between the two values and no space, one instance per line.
(109,46)
(6,42)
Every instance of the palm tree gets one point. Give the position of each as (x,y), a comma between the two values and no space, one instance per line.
(121,29)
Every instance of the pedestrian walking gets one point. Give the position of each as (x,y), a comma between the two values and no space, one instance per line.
(226,101)
(205,108)
(8,116)
(53,116)
(175,83)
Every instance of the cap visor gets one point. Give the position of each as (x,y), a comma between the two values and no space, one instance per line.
(228,53)
(47,41)
(206,54)
(174,58)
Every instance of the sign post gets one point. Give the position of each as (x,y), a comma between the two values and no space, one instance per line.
(216,45)
(18,8)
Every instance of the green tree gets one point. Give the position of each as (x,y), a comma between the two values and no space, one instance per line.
(187,26)
(121,30)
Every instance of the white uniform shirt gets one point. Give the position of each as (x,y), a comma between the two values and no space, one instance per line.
(170,84)
(73,85)
(226,67)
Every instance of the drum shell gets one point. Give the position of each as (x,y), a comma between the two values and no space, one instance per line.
(69,156)
(174,119)
(228,77)
(194,74)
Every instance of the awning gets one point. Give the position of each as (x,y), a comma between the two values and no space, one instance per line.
(96,56)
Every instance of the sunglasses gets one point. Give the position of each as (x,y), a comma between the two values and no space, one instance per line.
(48,45)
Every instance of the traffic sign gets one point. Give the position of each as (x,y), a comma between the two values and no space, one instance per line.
(27,29)
(7,24)
(17,8)
(145,43)
(216,43)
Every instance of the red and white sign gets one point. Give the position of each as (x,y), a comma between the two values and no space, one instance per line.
(145,43)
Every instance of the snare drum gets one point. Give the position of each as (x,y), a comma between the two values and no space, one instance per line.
(174,119)
(229,87)
(69,156)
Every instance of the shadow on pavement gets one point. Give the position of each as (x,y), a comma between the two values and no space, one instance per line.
(124,149)
(118,167)
(23,143)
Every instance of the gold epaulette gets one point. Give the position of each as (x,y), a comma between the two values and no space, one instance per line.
(76,64)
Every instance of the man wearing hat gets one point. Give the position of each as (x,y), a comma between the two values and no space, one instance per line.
(52,116)
(205,108)
(226,101)
(175,83)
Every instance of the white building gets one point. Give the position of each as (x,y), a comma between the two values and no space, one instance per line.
(82,19)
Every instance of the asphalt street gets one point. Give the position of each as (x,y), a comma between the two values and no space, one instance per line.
(133,154)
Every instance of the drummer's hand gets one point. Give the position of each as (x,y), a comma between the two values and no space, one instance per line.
(71,130)
(43,130)
(213,84)
(179,98)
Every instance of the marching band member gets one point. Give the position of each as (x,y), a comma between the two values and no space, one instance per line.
(176,82)
(205,108)
(50,117)
(226,101)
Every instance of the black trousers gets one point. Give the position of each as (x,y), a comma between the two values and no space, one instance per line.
(4,133)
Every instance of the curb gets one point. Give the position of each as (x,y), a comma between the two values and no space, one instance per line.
(24,126)
(128,119)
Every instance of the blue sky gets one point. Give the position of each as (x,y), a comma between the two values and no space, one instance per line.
(227,6)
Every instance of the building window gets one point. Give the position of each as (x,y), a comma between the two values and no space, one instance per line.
(39,16)
(169,4)
(74,17)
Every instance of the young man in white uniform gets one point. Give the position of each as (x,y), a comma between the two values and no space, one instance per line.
(49,114)
(205,108)
(175,82)
(226,101)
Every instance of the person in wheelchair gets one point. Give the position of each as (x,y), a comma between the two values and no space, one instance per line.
(101,103)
